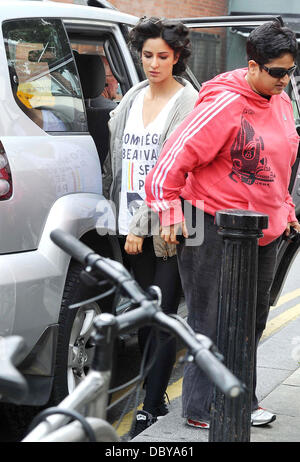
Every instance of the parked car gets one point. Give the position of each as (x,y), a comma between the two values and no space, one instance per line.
(53,141)
(50,177)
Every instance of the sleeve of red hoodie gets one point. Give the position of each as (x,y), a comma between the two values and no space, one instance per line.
(194,144)
(292,214)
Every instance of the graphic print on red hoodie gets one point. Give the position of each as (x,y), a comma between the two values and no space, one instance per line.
(235,150)
(246,152)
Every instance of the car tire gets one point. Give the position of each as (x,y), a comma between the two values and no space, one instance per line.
(74,350)
(18,417)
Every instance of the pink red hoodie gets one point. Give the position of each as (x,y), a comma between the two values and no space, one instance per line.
(234,151)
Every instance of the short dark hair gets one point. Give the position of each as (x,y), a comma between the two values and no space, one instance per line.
(175,34)
(269,41)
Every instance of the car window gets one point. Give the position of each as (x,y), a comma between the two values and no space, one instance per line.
(215,50)
(294,92)
(43,75)
(221,49)
(112,89)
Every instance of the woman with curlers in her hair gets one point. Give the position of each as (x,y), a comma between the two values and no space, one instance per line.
(146,116)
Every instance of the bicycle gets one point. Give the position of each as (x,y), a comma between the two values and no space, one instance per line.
(88,402)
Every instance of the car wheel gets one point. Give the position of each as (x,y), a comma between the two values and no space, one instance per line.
(80,350)
(74,346)
(74,349)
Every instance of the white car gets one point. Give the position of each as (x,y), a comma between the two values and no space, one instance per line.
(50,177)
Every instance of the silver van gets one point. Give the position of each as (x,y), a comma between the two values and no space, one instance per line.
(50,177)
(57,62)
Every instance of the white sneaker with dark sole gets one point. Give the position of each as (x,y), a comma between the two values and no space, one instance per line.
(261,417)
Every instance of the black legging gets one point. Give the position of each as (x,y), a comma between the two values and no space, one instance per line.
(151,270)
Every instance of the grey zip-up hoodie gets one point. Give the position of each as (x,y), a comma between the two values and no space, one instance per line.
(112,169)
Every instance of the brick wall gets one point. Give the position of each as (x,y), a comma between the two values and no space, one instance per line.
(170,8)
(208,45)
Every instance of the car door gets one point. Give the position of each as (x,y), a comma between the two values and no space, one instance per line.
(218,45)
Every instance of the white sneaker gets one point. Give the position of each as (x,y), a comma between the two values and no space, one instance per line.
(261,417)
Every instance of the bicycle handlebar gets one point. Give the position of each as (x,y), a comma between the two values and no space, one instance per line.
(149,312)
(200,347)
(71,245)
(111,269)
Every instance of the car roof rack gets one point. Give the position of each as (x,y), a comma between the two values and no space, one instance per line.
(230,18)
(96,3)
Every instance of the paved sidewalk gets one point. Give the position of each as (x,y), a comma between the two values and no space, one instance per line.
(278,391)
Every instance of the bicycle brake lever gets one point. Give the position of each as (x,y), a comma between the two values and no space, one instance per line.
(217,353)
(87,277)
(154,293)
(209,345)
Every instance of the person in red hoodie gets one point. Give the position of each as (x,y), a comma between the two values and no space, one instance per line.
(235,150)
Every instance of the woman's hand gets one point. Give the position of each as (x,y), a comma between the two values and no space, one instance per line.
(133,244)
(168,233)
(292,224)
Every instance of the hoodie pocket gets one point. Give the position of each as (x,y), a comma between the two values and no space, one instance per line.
(229,192)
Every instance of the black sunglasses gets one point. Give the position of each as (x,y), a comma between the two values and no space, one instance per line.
(279,72)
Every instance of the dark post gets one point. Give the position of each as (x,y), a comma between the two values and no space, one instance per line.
(241,229)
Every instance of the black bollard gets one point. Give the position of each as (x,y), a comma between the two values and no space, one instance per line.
(241,229)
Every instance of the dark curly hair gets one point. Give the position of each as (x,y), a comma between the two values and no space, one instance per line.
(174,33)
